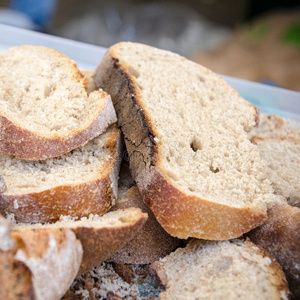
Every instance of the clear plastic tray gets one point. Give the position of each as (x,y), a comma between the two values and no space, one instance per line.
(269,99)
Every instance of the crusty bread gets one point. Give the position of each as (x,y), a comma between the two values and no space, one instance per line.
(271,126)
(221,270)
(282,154)
(100,236)
(45,108)
(151,243)
(280,236)
(37,265)
(78,183)
(186,133)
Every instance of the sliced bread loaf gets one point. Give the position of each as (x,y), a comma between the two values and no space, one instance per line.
(280,236)
(45,108)
(100,237)
(76,184)
(152,241)
(221,270)
(37,264)
(282,154)
(186,134)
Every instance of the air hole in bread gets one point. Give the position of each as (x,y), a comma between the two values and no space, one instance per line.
(214,170)
(196,145)
(201,78)
(134,72)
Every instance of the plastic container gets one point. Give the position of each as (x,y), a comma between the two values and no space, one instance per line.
(269,99)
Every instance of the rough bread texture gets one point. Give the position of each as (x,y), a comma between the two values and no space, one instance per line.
(280,236)
(274,126)
(38,265)
(221,270)
(186,134)
(283,158)
(100,236)
(151,243)
(89,74)
(78,183)
(3,186)
(45,108)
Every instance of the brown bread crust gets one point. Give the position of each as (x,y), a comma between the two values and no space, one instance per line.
(80,200)
(181,215)
(280,236)
(25,144)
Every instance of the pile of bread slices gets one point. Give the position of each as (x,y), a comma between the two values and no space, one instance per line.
(199,198)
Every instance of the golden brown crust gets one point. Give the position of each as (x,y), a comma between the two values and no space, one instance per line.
(25,144)
(280,236)
(197,217)
(80,200)
(180,214)
(100,243)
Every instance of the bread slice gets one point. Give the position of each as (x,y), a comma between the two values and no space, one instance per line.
(76,184)
(151,243)
(186,134)
(282,154)
(280,236)
(233,269)
(37,265)
(100,236)
(45,108)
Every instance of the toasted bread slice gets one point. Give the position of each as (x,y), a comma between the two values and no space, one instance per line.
(45,108)
(186,134)
(76,184)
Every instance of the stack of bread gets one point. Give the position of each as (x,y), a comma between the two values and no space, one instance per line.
(196,182)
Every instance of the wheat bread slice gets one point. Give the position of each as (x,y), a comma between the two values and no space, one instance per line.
(152,241)
(76,184)
(282,154)
(100,236)
(233,269)
(280,236)
(46,110)
(186,134)
(37,265)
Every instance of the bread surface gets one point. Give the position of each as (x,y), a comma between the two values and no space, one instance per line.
(233,269)
(45,108)
(100,236)
(280,236)
(37,264)
(78,183)
(186,133)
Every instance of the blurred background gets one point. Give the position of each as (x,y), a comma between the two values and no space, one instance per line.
(248,39)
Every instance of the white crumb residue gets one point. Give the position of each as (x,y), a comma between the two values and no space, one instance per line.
(6,241)
(16,204)
(11,218)
(55,271)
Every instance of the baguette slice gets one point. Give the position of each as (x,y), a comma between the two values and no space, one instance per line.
(45,108)
(186,134)
(280,236)
(221,270)
(282,154)
(76,184)
(152,241)
(100,236)
(37,264)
